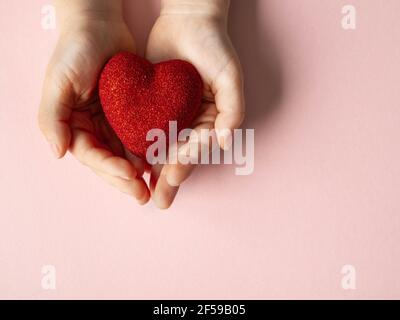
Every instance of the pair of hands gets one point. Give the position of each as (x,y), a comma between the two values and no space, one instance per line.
(71,116)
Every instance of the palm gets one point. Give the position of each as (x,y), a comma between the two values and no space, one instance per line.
(80,68)
(211,55)
(90,120)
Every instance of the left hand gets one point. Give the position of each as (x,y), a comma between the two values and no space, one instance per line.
(197,32)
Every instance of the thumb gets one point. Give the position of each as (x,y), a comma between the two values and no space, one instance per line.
(54,113)
(229,99)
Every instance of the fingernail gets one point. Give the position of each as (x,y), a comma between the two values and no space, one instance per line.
(171,181)
(128,177)
(184,150)
(189,152)
(55,150)
(143,200)
(225,139)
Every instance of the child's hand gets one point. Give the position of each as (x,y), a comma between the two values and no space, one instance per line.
(195,31)
(70,114)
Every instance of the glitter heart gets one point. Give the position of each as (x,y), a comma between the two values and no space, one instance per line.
(138,96)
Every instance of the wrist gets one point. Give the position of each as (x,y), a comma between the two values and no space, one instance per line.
(209,8)
(76,13)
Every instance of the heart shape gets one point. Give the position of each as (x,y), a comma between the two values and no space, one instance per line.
(138,96)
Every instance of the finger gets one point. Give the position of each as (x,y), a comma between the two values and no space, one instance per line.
(229,98)
(201,143)
(54,113)
(138,163)
(89,152)
(162,193)
(135,187)
(178,173)
(103,132)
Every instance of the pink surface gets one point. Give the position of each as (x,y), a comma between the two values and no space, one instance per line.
(325,192)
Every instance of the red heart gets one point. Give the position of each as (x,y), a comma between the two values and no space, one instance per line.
(137,96)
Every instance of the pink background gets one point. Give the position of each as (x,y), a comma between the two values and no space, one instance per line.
(324,103)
